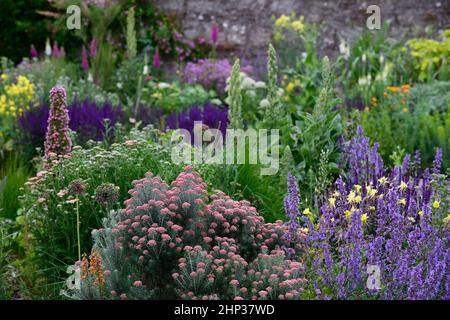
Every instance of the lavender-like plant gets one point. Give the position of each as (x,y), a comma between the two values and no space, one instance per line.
(387,221)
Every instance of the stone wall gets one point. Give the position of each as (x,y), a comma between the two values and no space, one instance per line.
(246,24)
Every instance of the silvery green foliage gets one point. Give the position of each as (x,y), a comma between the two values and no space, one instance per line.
(175,241)
(274,113)
(131,35)
(235,97)
(317,131)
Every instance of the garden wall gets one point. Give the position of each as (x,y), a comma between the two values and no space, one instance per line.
(246,23)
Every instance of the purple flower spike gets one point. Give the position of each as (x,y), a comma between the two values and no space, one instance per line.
(84,60)
(156,60)
(214,33)
(93,48)
(57,139)
(33,52)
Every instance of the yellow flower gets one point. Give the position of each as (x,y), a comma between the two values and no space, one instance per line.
(307,212)
(371,191)
(298,25)
(420,213)
(348,213)
(332,202)
(403,186)
(305,230)
(402,201)
(357,187)
(351,196)
(290,87)
(364,218)
(382,180)
(4,76)
(436,204)
(447,219)
(405,110)
(157,95)
(282,21)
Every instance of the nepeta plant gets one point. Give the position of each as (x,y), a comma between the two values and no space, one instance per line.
(394,221)
(57,138)
(175,241)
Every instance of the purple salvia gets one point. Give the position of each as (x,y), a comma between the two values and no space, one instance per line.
(437,161)
(291,207)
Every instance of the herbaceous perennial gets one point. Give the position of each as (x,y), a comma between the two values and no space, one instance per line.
(392,221)
(175,241)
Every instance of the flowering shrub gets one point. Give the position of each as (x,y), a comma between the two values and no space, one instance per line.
(15,97)
(431,56)
(210,73)
(394,221)
(175,241)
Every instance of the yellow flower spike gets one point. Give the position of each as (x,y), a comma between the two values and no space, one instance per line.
(436,204)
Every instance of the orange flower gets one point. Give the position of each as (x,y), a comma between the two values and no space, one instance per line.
(406,86)
(385,94)
(393,89)
(405,91)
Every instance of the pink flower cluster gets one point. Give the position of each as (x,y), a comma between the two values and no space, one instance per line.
(185,244)
(57,139)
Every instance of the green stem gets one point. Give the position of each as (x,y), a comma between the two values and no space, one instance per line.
(78,231)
